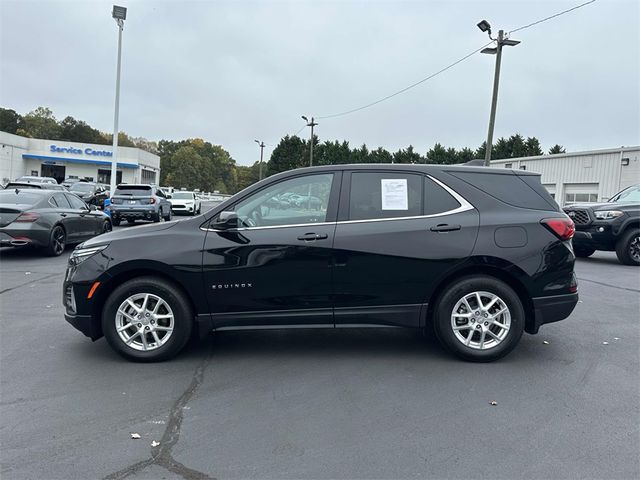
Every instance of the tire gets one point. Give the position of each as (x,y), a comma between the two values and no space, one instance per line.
(175,304)
(106,226)
(57,241)
(482,347)
(628,248)
(157,217)
(115,222)
(583,252)
(168,217)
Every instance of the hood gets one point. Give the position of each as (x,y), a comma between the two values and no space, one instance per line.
(131,232)
(603,206)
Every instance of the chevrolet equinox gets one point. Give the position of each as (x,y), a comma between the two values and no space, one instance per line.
(472,254)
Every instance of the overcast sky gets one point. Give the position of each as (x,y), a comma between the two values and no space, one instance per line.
(234,71)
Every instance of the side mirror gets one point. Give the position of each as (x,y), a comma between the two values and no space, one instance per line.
(226,221)
(168,195)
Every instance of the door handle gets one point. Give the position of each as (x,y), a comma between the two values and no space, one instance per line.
(309,237)
(445,227)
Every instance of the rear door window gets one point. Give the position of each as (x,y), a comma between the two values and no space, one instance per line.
(437,199)
(60,200)
(379,195)
(76,203)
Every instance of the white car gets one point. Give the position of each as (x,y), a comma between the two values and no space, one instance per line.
(185,203)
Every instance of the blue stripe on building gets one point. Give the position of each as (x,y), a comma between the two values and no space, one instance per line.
(77,160)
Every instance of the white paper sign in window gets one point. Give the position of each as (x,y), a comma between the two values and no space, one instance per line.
(394,194)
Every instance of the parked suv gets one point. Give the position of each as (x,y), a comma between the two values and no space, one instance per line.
(614,225)
(139,202)
(91,193)
(185,202)
(477,255)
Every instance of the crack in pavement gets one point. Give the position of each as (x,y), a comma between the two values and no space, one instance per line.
(161,455)
(608,285)
(29,283)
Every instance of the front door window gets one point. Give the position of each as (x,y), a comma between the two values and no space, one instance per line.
(298,201)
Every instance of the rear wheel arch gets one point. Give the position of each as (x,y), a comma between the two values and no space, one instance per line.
(488,271)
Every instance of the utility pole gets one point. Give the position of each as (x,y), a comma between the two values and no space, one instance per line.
(261,145)
(497,51)
(119,14)
(310,124)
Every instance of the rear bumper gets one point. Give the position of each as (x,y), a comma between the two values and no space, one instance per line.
(30,234)
(140,214)
(552,309)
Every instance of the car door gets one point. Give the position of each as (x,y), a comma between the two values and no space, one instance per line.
(397,234)
(275,269)
(65,214)
(84,221)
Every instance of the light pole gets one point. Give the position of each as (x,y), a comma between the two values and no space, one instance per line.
(261,145)
(119,14)
(310,124)
(497,51)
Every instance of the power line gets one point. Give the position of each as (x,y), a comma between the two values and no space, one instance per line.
(413,85)
(552,16)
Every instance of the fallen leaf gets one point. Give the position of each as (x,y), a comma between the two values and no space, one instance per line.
(493,402)
(545,342)
(155,444)
(605,343)
(135,436)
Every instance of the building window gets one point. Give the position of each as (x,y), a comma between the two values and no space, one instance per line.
(104,176)
(580,197)
(148,176)
(523,167)
(508,165)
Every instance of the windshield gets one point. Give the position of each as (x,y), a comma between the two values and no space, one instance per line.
(182,196)
(133,190)
(82,187)
(631,194)
(19,198)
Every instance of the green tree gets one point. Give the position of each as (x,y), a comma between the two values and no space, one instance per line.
(533,147)
(9,120)
(380,155)
(557,149)
(40,123)
(288,154)
(408,156)
(185,168)
(74,130)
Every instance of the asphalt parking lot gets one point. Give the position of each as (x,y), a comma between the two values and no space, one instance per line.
(370,403)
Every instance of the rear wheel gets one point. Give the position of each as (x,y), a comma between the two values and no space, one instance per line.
(57,241)
(168,216)
(479,319)
(147,319)
(116,222)
(628,247)
(583,252)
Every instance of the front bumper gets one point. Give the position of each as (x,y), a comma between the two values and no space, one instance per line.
(86,324)
(552,309)
(598,237)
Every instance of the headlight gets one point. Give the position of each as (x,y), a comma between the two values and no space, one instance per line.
(79,255)
(607,214)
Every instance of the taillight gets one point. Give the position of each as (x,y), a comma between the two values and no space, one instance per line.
(28,217)
(563,228)
(147,201)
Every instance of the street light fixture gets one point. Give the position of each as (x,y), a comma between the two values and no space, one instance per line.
(501,41)
(310,124)
(119,14)
(261,145)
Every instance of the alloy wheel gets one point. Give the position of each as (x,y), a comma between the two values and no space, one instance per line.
(59,240)
(106,227)
(144,321)
(634,248)
(481,320)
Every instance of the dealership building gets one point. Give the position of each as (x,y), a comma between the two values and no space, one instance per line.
(61,160)
(581,177)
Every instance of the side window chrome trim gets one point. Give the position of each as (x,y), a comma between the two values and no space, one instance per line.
(464,206)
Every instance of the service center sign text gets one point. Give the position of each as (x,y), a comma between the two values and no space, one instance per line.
(78,151)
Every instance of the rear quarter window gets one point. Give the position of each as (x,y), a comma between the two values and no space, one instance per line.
(437,199)
(510,189)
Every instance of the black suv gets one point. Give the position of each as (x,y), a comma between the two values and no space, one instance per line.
(477,255)
(91,193)
(614,225)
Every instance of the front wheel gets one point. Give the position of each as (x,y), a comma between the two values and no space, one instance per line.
(628,248)
(147,319)
(479,319)
(106,226)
